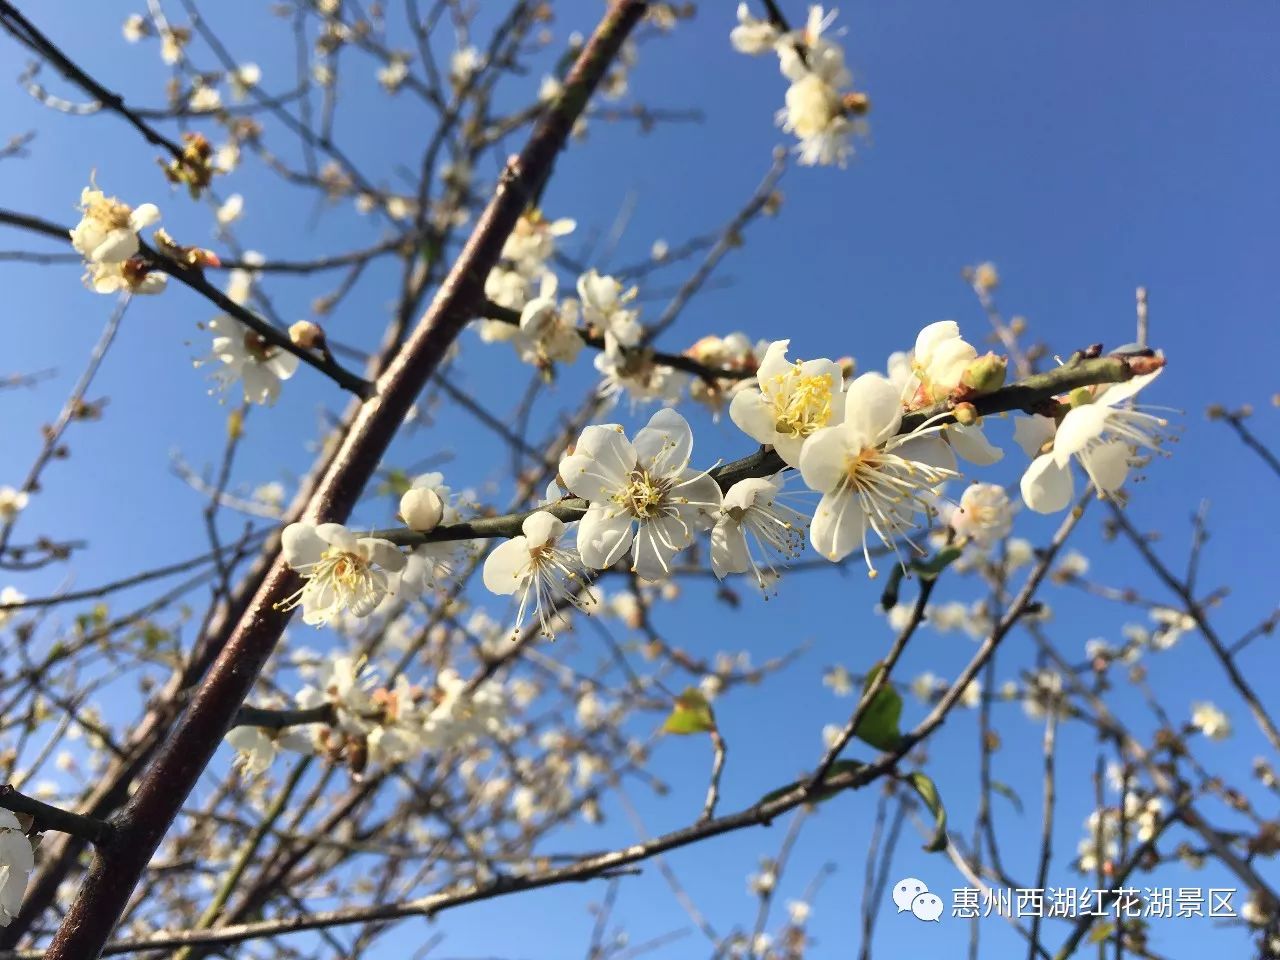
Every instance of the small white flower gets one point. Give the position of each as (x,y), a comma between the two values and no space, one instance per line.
(805,51)
(135,27)
(815,113)
(870,478)
(243,79)
(342,571)
(1210,721)
(984,515)
(751,510)
(604,307)
(17,860)
(1103,436)
(256,748)
(393,75)
(131,276)
(536,567)
(549,89)
(793,401)
(752,36)
(971,696)
(204,98)
(171,44)
(839,680)
(464,63)
(551,330)
(925,686)
(108,229)
(230,210)
(12,502)
(8,596)
(642,380)
(245,355)
(644,498)
(532,241)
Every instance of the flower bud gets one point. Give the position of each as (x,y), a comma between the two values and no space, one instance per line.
(985,277)
(986,373)
(856,104)
(421,509)
(966,414)
(306,334)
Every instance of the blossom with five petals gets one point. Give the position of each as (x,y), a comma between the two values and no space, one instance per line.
(535,566)
(793,401)
(342,571)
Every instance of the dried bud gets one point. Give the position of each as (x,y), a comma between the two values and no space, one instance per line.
(306,335)
(421,509)
(986,373)
(189,257)
(856,104)
(848,367)
(195,166)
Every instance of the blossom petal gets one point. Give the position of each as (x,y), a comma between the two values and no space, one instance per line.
(1118,392)
(970,443)
(382,552)
(664,445)
(773,363)
(1031,433)
(542,528)
(1080,427)
(931,451)
(301,544)
(506,568)
(600,463)
(873,409)
(823,459)
(729,549)
(1107,465)
(753,415)
(336,535)
(657,542)
(1046,486)
(838,525)
(603,537)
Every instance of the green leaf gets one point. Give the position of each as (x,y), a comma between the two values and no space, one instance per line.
(822,792)
(879,725)
(928,792)
(1008,793)
(691,714)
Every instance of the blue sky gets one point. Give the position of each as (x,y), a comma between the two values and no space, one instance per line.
(1085,148)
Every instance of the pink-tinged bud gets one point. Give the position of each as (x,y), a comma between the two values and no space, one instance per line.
(986,373)
(306,335)
(421,509)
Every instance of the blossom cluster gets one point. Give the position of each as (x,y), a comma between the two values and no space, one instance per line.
(821,110)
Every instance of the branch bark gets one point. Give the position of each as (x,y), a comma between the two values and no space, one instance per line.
(167,781)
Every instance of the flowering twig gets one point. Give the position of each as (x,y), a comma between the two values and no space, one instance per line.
(1027,394)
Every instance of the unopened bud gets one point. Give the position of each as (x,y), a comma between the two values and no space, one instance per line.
(772,204)
(848,367)
(306,335)
(421,509)
(986,373)
(856,104)
(1079,397)
(985,276)
(966,414)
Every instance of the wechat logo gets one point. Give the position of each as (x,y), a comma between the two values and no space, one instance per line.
(912,894)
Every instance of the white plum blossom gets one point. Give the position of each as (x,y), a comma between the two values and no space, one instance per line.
(604,306)
(643,497)
(12,503)
(551,330)
(108,229)
(247,356)
(984,514)
(870,477)
(17,860)
(9,597)
(638,376)
(1210,721)
(532,241)
(257,747)
(128,276)
(464,64)
(421,509)
(815,113)
(430,563)
(751,511)
(539,570)
(343,572)
(931,373)
(752,36)
(230,210)
(805,51)
(793,400)
(1103,435)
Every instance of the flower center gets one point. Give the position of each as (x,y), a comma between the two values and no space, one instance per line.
(643,496)
(258,347)
(345,572)
(801,404)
